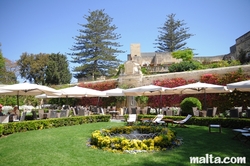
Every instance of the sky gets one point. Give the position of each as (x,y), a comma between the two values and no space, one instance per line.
(48,26)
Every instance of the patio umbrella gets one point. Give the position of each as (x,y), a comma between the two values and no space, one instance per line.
(26,89)
(148,90)
(77,91)
(56,95)
(240,86)
(199,88)
(115,92)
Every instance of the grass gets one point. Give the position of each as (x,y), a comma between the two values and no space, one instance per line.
(67,146)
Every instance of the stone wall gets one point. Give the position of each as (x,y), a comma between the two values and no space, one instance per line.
(140,80)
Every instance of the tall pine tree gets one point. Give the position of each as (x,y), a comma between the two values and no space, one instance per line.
(172,35)
(96,49)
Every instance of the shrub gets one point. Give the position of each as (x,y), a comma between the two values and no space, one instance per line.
(188,103)
(185,66)
(144,70)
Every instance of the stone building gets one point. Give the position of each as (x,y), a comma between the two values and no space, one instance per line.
(150,58)
(241,43)
(158,62)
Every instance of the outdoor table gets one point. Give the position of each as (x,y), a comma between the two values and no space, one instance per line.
(203,113)
(113,113)
(168,121)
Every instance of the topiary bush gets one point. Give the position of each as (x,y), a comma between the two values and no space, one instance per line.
(188,103)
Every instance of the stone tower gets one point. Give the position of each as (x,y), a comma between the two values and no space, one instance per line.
(135,50)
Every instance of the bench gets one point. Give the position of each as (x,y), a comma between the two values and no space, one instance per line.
(218,126)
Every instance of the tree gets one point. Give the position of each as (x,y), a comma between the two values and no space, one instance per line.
(172,35)
(11,71)
(44,68)
(33,67)
(185,55)
(2,67)
(8,70)
(95,48)
(57,71)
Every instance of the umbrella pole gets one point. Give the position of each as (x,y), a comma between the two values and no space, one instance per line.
(17,98)
(205,100)
(98,102)
(161,102)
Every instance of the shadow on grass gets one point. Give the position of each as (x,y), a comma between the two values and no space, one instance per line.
(197,142)
(67,146)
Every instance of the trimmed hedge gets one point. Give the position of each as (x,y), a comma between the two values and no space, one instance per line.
(14,127)
(205,121)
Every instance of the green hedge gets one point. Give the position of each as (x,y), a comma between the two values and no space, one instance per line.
(205,121)
(23,126)
(14,127)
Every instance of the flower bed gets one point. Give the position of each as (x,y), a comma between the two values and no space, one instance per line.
(114,139)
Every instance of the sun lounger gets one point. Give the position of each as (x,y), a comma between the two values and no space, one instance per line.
(181,123)
(239,132)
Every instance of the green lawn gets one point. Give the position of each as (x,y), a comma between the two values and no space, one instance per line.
(67,146)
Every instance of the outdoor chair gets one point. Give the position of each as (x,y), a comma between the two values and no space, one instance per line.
(148,110)
(169,113)
(108,109)
(178,112)
(74,111)
(248,113)
(181,123)
(34,115)
(158,119)
(238,132)
(95,110)
(101,111)
(63,113)
(22,118)
(239,111)
(133,110)
(53,114)
(214,111)
(15,118)
(247,136)
(125,110)
(4,119)
(40,113)
(195,111)
(81,111)
(209,112)
(234,113)
(138,110)
(131,119)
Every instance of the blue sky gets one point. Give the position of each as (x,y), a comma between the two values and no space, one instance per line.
(47,26)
